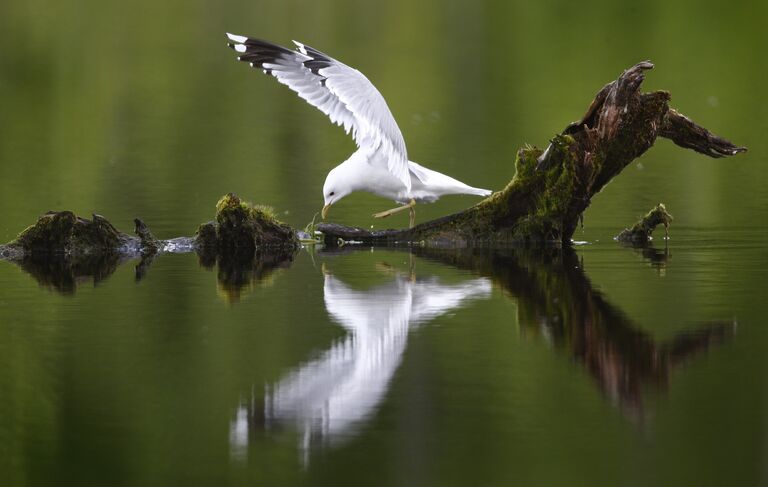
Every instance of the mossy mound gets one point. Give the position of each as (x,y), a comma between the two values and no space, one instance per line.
(240,228)
(642,230)
(63,231)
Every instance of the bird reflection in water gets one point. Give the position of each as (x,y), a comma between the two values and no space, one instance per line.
(327,398)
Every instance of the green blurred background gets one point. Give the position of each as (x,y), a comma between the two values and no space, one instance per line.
(139,109)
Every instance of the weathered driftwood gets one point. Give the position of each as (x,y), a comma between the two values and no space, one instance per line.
(552,188)
(641,231)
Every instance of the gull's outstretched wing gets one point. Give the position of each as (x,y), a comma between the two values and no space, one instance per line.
(341,92)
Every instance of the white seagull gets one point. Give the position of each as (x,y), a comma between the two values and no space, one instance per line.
(380,165)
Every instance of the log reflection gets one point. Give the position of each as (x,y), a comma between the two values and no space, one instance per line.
(556,300)
(656,258)
(237,274)
(63,273)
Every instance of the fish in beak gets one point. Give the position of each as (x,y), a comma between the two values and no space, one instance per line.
(324,213)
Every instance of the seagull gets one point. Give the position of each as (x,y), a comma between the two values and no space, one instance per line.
(380,165)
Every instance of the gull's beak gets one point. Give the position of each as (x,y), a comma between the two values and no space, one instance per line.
(324,213)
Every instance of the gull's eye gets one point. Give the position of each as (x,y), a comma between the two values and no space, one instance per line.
(331,193)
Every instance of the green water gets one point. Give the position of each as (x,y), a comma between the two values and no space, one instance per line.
(601,365)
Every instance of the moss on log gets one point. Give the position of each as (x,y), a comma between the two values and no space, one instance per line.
(641,231)
(553,187)
(240,228)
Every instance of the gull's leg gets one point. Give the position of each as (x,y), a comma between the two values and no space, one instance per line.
(412,220)
(387,213)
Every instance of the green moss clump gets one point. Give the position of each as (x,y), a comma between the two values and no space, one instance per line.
(240,228)
(265,212)
(65,232)
(551,184)
(496,210)
(642,230)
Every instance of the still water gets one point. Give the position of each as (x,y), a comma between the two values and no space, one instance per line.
(604,365)
(594,365)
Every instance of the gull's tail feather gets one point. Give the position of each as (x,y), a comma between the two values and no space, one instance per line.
(479,191)
(432,184)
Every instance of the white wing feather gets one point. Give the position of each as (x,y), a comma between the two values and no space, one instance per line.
(341,92)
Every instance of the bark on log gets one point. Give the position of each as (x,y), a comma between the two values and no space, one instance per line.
(553,187)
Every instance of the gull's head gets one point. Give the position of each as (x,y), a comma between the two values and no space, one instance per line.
(335,188)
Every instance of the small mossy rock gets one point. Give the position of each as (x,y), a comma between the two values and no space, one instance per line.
(63,231)
(240,228)
(642,230)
